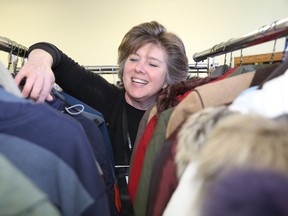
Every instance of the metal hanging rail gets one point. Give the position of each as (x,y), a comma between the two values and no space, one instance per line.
(266,33)
(103,69)
(12,47)
(113,69)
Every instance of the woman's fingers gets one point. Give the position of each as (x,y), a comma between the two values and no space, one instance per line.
(38,84)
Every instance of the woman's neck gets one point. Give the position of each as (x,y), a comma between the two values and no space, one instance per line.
(141,105)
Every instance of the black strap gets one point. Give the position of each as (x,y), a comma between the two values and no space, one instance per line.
(122,171)
(127,139)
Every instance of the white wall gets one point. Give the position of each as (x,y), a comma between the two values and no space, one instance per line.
(90,30)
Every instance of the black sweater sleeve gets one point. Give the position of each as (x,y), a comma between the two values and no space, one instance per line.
(50,48)
(79,82)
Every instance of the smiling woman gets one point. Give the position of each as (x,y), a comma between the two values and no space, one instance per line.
(145,75)
(149,59)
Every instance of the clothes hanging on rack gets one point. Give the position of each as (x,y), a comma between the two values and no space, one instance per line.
(87,188)
(236,142)
(14,189)
(210,94)
(48,172)
(158,160)
(53,148)
(168,183)
(95,135)
(158,137)
(274,91)
(250,185)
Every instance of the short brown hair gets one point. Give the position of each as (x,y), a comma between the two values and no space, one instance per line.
(155,33)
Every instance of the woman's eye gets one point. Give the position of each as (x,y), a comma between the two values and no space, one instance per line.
(133,59)
(153,65)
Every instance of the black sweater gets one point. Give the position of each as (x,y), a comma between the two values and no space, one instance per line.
(98,93)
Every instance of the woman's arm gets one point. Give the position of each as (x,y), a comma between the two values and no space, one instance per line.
(47,64)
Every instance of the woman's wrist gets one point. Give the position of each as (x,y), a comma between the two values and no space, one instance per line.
(40,56)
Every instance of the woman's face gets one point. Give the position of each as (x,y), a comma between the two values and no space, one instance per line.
(144,75)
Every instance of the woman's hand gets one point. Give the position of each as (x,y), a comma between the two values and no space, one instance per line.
(39,76)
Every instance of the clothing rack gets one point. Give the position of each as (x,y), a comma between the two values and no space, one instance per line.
(12,47)
(266,33)
(103,69)
(113,69)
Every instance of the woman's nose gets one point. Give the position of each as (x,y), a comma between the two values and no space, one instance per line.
(140,67)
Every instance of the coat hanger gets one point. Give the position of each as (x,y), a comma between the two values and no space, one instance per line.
(231,58)
(15,63)
(225,60)
(225,66)
(241,57)
(10,57)
(273,52)
(285,50)
(24,54)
